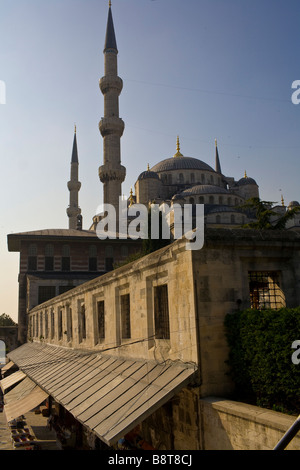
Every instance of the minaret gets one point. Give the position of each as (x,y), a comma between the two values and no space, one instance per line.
(74,211)
(111,126)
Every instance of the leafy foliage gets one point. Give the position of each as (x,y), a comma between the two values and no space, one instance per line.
(263,213)
(6,320)
(260,356)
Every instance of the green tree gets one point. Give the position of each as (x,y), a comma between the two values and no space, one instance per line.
(263,212)
(6,320)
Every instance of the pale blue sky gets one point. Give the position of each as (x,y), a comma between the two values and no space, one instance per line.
(200,69)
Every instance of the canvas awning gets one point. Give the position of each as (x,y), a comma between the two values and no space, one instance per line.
(5,368)
(25,397)
(12,380)
(107,394)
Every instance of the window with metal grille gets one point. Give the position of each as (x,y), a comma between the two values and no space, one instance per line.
(82,322)
(265,290)
(125,316)
(46,293)
(101,319)
(59,323)
(161,312)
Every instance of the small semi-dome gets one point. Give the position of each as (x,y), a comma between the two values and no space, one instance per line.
(148,174)
(204,189)
(246,180)
(293,204)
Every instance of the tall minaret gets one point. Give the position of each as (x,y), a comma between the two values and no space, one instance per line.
(111,126)
(74,211)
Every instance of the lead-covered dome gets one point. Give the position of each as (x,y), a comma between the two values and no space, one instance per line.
(148,174)
(181,163)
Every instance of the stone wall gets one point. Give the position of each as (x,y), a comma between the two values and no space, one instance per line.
(230,425)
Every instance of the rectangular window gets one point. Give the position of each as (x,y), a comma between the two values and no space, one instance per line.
(82,322)
(69,324)
(161,312)
(63,289)
(49,263)
(65,263)
(101,319)
(265,291)
(109,264)
(125,316)
(32,263)
(59,323)
(46,293)
(92,264)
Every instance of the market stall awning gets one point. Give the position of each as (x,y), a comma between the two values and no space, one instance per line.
(17,408)
(21,390)
(12,380)
(5,368)
(109,395)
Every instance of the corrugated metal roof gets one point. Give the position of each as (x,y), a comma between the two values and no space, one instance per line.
(109,395)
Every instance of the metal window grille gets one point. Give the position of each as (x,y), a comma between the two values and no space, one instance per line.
(125,316)
(265,291)
(161,312)
(46,293)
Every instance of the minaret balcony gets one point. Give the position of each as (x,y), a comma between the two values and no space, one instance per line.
(111,125)
(112,174)
(74,185)
(111,83)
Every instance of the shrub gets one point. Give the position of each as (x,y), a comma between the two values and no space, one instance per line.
(260,357)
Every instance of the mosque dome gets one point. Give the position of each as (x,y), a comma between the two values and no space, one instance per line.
(180,162)
(245,180)
(293,204)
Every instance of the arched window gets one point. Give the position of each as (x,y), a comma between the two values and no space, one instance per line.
(211,199)
(201,200)
(49,257)
(169,178)
(181,178)
(192,201)
(220,199)
(32,257)
(192,178)
(202,178)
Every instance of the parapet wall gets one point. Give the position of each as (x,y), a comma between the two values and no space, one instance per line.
(230,425)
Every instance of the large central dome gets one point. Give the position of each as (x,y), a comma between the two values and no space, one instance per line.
(181,163)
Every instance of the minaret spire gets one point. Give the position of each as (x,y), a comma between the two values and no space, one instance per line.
(217,162)
(74,211)
(111,126)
